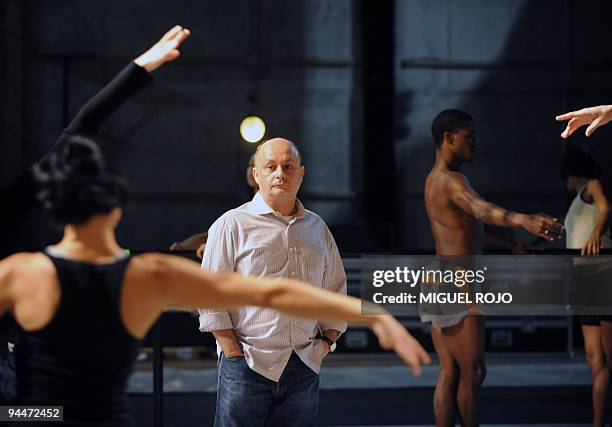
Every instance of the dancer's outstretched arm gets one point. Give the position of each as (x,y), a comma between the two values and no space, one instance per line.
(169,280)
(133,78)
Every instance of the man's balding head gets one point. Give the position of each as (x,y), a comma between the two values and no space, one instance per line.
(279,172)
(265,149)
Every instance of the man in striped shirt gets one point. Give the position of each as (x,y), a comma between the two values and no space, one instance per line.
(268,361)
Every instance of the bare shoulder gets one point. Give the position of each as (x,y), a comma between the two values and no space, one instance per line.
(456,179)
(146,265)
(596,193)
(26,263)
(161,276)
(594,187)
(447,182)
(25,274)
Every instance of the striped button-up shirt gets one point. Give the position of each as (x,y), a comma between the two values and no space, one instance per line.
(254,240)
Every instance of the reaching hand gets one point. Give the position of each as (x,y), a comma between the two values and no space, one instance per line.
(393,336)
(165,50)
(591,247)
(545,226)
(592,116)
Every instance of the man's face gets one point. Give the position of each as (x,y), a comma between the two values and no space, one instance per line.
(278,171)
(464,143)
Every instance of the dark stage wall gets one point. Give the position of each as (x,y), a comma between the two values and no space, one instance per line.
(354,83)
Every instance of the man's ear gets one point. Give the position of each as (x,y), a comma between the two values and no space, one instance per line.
(447,137)
(302,171)
(255,173)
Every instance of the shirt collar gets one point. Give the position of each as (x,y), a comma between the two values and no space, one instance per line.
(258,206)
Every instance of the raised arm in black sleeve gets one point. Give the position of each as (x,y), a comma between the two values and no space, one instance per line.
(98,109)
(20,216)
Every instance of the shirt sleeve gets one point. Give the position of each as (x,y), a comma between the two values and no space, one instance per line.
(334,279)
(218,257)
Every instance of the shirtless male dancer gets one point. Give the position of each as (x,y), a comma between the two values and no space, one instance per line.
(457,214)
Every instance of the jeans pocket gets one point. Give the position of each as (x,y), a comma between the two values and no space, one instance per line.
(232,367)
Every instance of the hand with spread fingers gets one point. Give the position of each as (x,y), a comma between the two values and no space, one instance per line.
(544,226)
(592,116)
(165,50)
(393,336)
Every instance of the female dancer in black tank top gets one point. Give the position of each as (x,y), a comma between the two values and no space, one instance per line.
(83,306)
(84,336)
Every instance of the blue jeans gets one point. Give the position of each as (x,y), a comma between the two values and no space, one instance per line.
(248,399)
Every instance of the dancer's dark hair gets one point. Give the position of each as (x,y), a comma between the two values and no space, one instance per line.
(450,120)
(76,184)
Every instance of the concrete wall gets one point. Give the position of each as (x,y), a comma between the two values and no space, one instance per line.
(512,64)
(504,62)
(179,142)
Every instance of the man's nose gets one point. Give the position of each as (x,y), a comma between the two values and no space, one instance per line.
(279,172)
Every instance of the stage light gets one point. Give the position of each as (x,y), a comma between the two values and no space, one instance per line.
(252,129)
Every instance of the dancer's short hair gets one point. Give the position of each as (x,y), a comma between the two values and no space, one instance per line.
(450,120)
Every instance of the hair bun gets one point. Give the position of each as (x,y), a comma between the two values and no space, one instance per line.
(75,183)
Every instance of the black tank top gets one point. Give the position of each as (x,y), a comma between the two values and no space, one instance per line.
(83,357)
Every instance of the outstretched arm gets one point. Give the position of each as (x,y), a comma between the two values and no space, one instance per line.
(128,82)
(177,281)
(592,116)
(468,200)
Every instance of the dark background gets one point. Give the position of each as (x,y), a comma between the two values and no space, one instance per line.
(355,84)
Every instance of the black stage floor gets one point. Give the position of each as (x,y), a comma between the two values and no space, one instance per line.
(376,390)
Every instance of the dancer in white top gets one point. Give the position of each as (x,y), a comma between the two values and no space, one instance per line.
(586,221)
(586,227)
